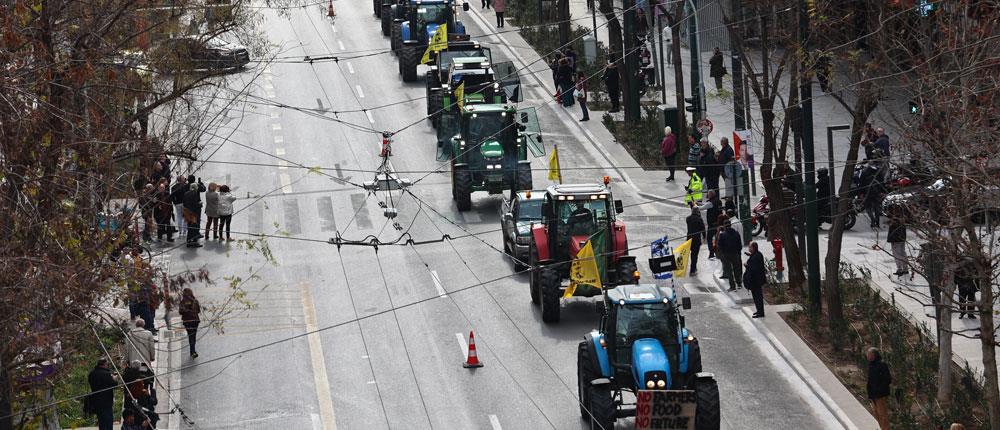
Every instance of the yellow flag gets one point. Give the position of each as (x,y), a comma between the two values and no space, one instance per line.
(437,43)
(460,95)
(554,173)
(682,255)
(584,270)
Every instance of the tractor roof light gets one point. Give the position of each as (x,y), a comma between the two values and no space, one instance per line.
(527,194)
(635,275)
(594,197)
(607,179)
(621,302)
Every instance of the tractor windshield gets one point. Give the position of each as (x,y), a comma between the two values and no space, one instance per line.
(582,217)
(432,13)
(639,321)
(483,127)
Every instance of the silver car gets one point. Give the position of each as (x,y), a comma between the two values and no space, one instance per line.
(516,216)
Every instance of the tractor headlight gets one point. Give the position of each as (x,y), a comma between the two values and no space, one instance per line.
(661,384)
(650,384)
(493,167)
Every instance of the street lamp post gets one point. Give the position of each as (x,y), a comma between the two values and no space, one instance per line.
(829,152)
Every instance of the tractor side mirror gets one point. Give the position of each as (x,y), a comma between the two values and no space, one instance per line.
(465,6)
(618,207)
(686,303)
(599,306)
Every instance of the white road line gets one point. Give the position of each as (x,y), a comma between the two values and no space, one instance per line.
(341,45)
(334,27)
(279,151)
(286,183)
(276,126)
(370,118)
(268,85)
(282,165)
(437,284)
(278,139)
(275,114)
(361,93)
(270,94)
(317,424)
(350,68)
(495,422)
(462,346)
(323,395)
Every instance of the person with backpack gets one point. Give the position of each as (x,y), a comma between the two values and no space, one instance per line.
(190,311)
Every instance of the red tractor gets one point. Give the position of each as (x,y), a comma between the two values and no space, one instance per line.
(572,215)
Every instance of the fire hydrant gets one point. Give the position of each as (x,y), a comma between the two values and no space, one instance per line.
(779,266)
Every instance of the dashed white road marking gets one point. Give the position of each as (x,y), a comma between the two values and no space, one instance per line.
(350,68)
(268,85)
(275,114)
(341,45)
(276,126)
(286,183)
(371,119)
(495,422)
(463,347)
(278,139)
(279,151)
(282,165)
(323,395)
(334,27)
(361,93)
(437,284)
(270,94)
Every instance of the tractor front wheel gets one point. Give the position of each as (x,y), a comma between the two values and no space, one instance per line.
(707,415)
(396,40)
(524,177)
(535,278)
(550,296)
(602,408)
(584,374)
(386,17)
(409,56)
(462,186)
(625,271)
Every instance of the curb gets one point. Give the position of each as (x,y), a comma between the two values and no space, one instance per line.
(735,296)
(660,199)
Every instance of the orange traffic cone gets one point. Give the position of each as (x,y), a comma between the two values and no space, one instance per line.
(473,360)
(329,11)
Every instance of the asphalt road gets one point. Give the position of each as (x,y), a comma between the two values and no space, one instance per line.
(399,366)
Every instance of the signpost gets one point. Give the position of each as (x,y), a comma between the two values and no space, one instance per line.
(705,127)
(665,410)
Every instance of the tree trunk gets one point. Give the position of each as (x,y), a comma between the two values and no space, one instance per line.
(986,336)
(615,40)
(6,397)
(944,382)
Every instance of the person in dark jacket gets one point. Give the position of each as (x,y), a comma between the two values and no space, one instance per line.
(882,142)
(611,79)
(570,55)
(713,208)
(101,399)
(716,68)
(897,238)
(708,168)
(695,229)
(565,81)
(190,311)
(147,205)
(163,212)
(728,166)
(729,247)
(668,149)
(755,278)
(967,281)
(177,199)
(879,380)
(192,212)
(581,95)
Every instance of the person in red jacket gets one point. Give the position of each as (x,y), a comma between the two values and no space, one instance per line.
(668,149)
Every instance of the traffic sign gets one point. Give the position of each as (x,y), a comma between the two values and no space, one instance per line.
(705,126)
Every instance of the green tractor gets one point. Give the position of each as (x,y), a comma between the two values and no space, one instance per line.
(412,33)
(488,146)
(480,84)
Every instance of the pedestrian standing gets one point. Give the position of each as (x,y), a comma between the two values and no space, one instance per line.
(713,208)
(226,200)
(611,80)
(727,161)
(581,94)
(190,311)
(101,400)
(177,199)
(897,238)
(695,229)
(140,343)
(499,7)
(755,278)
(147,204)
(192,211)
(716,68)
(882,142)
(570,54)
(879,380)
(212,211)
(668,149)
(967,283)
(708,168)
(163,212)
(868,141)
(694,152)
(486,4)
(564,76)
(693,187)
(554,66)
(729,246)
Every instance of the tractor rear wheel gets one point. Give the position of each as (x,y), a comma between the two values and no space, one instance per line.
(535,278)
(462,186)
(584,374)
(396,40)
(707,407)
(409,56)
(524,177)
(386,21)
(435,102)
(377,6)
(625,271)
(602,408)
(550,295)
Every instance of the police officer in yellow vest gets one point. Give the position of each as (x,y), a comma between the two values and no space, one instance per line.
(693,187)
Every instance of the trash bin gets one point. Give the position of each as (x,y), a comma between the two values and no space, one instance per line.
(669,116)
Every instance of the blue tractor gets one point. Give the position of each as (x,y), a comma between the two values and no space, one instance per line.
(642,345)
(412,32)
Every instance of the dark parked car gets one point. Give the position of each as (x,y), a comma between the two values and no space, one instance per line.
(931,200)
(516,216)
(189,53)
